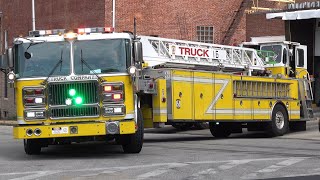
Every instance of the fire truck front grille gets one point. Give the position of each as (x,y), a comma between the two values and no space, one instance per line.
(58,93)
(74,112)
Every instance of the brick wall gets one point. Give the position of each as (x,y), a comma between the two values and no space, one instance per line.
(177,19)
(257,25)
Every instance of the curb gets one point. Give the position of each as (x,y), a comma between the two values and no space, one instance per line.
(8,122)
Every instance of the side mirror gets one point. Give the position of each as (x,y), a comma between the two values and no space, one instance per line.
(137,51)
(10,57)
(3,61)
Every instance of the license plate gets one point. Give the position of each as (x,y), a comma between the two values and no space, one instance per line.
(60,130)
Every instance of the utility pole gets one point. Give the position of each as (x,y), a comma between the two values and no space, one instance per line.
(113,14)
(33,17)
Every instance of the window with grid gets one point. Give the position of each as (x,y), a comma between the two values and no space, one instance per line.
(205,34)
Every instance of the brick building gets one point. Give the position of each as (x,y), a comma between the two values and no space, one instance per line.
(205,20)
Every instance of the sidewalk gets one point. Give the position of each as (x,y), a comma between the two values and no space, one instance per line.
(8,122)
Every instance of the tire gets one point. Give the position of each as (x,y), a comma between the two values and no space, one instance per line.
(221,130)
(279,122)
(182,126)
(201,125)
(132,143)
(298,126)
(32,146)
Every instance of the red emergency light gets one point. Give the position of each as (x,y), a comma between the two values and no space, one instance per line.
(95,30)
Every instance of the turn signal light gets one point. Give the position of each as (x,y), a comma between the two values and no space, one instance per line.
(33,91)
(116,96)
(107,88)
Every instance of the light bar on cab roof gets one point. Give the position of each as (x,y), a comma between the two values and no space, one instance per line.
(38,33)
(95,30)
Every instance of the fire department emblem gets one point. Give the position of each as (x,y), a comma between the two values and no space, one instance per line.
(178,103)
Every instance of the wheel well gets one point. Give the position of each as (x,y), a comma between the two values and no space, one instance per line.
(283,105)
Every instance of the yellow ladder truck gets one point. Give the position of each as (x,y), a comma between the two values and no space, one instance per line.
(184,82)
(94,84)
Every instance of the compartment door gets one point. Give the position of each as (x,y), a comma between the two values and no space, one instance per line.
(222,105)
(182,95)
(203,95)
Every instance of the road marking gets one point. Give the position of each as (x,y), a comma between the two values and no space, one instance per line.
(99,173)
(233,163)
(37,175)
(226,166)
(160,171)
(207,172)
(154,173)
(274,168)
(163,167)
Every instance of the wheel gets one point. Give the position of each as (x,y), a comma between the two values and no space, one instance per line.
(32,146)
(201,125)
(298,126)
(279,122)
(220,130)
(132,143)
(182,126)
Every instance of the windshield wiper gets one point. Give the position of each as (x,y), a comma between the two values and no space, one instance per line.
(85,63)
(27,55)
(54,68)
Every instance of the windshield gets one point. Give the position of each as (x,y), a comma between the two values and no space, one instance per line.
(44,57)
(277,49)
(102,56)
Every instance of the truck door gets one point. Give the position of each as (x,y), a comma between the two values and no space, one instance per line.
(301,56)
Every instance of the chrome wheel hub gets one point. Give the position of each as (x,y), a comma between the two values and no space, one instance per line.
(279,120)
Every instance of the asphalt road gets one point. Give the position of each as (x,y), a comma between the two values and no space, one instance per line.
(168,154)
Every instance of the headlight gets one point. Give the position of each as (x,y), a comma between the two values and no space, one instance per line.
(132,70)
(35,114)
(114,110)
(11,76)
(34,101)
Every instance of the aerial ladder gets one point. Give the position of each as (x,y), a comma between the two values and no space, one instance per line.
(162,52)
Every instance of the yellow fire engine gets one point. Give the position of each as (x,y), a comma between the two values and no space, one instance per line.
(94,84)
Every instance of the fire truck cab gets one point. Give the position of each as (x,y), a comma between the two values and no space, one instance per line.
(74,87)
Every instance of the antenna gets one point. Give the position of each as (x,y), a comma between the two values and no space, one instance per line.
(134,28)
(5,40)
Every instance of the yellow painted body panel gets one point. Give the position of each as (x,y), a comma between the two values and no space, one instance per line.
(301,72)
(261,109)
(278,70)
(295,110)
(147,117)
(207,96)
(127,127)
(182,96)
(223,92)
(84,129)
(129,100)
(159,102)
(203,94)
